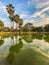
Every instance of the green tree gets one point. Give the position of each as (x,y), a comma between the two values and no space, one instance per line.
(28,27)
(20,25)
(10,10)
(38,29)
(1,25)
(7,29)
(16,18)
(46,28)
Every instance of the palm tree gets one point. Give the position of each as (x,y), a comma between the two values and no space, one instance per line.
(20,25)
(10,10)
(16,19)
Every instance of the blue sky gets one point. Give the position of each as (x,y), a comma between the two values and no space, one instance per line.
(33,11)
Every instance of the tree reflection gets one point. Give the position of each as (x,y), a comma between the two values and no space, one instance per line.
(27,38)
(17,47)
(38,36)
(10,58)
(46,38)
(14,50)
(1,41)
(16,37)
(12,39)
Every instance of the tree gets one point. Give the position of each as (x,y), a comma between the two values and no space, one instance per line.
(1,25)
(10,10)
(12,17)
(20,24)
(28,27)
(46,28)
(16,18)
(7,29)
(38,29)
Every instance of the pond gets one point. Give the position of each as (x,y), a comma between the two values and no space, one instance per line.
(32,49)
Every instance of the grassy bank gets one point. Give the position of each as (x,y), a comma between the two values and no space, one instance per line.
(12,33)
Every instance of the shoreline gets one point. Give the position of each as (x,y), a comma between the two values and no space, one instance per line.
(14,33)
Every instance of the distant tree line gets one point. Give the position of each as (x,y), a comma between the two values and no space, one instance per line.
(36,29)
(27,27)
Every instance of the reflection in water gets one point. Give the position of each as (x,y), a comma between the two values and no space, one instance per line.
(10,58)
(19,53)
(12,39)
(46,38)
(13,50)
(1,42)
(38,36)
(29,56)
(17,47)
(27,38)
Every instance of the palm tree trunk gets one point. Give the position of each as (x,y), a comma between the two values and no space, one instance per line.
(19,29)
(13,25)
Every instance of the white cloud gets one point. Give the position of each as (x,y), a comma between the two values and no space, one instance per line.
(32,2)
(42,15)
(42,4)
(3,8)
(43,23)
(24,16)
(38,3)
(44,19)
(29,20)
(2,13)
(39,13)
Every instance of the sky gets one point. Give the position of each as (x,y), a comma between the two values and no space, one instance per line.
(32,11)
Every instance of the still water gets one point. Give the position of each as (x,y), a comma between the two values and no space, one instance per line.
(24,49)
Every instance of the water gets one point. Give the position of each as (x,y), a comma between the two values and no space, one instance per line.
(24,49)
